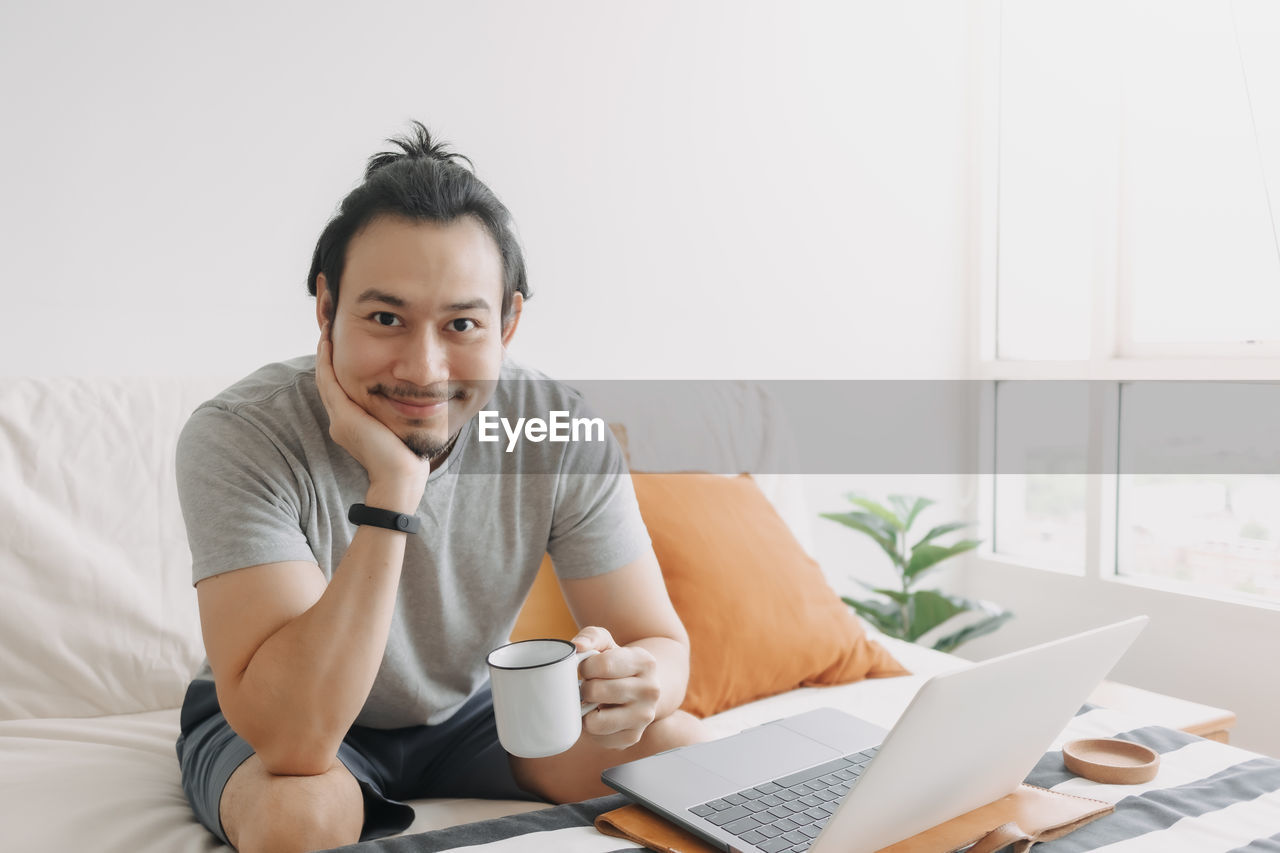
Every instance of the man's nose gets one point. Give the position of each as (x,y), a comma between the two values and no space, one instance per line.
(423,360)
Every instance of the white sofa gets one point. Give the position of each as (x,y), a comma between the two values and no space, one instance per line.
(99,630)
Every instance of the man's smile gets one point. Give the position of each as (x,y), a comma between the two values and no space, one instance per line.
(418,407)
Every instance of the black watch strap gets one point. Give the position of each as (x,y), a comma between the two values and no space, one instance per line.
(375,517)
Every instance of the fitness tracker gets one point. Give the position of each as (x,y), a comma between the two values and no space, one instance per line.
(375,517)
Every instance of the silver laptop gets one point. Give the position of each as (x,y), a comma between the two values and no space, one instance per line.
(827,781)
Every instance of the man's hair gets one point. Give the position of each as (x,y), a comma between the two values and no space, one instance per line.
(423,182)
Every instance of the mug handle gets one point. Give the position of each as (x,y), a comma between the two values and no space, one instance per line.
(587,707)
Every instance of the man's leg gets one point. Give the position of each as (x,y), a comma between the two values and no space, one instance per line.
(574,775)
(262,812)
(237,800)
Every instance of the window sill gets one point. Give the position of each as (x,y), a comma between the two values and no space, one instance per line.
(1167,586)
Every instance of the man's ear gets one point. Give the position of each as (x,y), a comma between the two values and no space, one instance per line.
(324,301)
(509,327)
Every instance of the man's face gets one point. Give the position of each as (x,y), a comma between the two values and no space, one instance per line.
(417,335)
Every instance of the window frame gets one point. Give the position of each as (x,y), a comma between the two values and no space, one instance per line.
(1114,358)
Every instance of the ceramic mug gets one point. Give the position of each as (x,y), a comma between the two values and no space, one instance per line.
(536,696)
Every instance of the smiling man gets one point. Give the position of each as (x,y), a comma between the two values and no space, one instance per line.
(346,658)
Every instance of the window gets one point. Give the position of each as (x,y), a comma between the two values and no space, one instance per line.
(1191,506)
(1130,289)
(1039,460)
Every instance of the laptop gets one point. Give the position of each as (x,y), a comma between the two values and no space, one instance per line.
(827,781)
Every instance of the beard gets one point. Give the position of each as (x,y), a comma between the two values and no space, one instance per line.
(422,444)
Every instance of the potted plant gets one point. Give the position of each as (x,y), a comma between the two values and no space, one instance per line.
(925,616)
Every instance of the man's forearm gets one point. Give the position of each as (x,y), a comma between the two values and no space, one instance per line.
(306,684)
(673,671)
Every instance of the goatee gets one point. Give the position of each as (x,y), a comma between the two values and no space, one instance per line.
(422,445)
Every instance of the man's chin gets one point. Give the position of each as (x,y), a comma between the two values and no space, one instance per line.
(425,445)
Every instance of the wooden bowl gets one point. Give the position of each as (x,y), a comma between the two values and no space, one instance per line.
(1111,761)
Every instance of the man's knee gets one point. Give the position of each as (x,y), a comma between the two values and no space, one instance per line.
(291,814)
(678,729)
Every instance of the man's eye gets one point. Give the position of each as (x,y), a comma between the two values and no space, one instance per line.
(458,325)
(386,318)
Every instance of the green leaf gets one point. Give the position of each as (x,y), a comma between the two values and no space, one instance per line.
(873,527)
(929,609)
(885,616)
(876,509)
(928,616)
(972,632)
(926,556)
(896,594)
(901,505)
(972,619)
(908,508)
(870,524)
(942,530)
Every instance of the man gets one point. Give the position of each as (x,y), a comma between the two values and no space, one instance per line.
(346,662)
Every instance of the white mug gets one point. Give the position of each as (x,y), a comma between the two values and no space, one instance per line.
(536,696)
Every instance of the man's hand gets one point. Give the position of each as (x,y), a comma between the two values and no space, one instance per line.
(624,680)
(397,475)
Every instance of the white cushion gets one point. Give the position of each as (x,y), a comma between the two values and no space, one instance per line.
(98,614)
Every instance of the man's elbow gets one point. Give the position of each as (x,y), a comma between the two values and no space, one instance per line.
(293,754)
(297,760)
(677,633)
(286,748)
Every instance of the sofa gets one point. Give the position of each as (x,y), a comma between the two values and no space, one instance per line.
(99,628)
(100,632)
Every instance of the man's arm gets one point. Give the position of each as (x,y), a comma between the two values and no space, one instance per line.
(643,669)
(294,659)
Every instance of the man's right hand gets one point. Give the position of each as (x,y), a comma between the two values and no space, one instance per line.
(397,475)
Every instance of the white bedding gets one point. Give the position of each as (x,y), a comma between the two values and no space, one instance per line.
(111,783)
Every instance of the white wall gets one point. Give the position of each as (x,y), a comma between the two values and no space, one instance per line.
(705,189)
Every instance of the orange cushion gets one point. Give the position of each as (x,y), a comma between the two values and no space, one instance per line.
(544,614)
(760,615)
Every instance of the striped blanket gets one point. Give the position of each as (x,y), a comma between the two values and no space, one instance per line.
(1207,798)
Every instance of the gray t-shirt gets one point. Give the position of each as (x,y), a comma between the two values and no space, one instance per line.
(260,481)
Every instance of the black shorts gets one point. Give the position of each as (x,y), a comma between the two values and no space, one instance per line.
(460,757)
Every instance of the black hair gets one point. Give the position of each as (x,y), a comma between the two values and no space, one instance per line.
(424,182)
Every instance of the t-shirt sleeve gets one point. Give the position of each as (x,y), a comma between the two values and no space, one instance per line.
(241,499)
(596,527)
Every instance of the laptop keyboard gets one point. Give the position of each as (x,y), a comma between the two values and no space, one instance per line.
(788,813)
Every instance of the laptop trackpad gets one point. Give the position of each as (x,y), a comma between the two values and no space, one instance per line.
(758,755)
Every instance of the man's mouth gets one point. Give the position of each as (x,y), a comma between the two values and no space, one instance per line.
(419,407)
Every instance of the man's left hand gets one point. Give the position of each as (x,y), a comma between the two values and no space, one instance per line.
(624,680)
